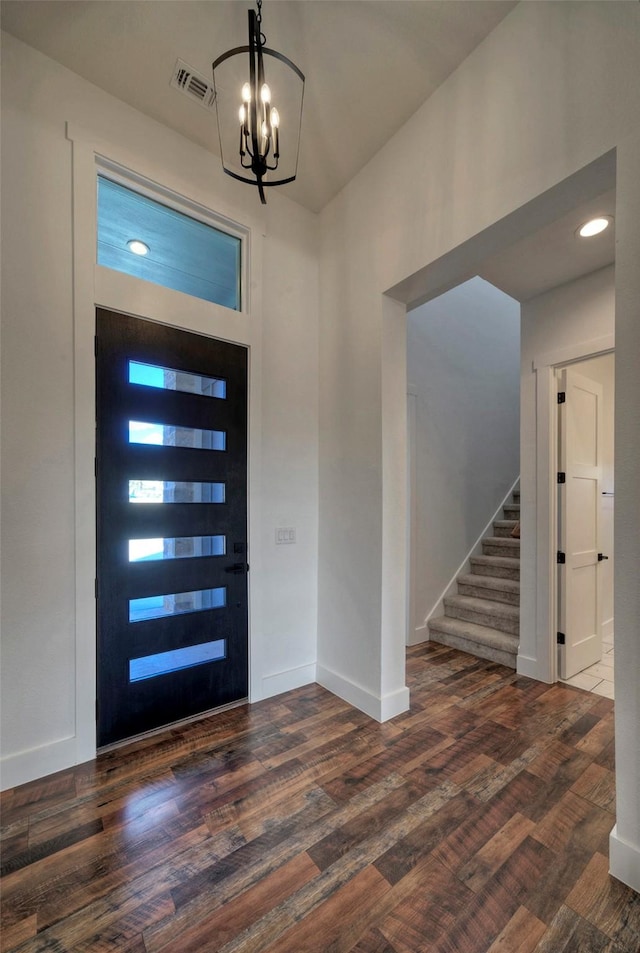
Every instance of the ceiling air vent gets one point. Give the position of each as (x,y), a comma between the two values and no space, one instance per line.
(193,84)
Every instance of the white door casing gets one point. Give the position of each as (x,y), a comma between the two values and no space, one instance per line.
(580,452)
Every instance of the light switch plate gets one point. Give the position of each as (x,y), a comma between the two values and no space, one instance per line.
(285,535)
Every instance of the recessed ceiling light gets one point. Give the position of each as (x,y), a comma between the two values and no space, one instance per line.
(137,247)
(594,226)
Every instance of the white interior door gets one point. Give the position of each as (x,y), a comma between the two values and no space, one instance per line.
(580,431)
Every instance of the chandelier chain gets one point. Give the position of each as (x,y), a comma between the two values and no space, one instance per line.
(263,39)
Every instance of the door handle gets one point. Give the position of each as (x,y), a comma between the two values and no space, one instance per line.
(238,568)
(601,557)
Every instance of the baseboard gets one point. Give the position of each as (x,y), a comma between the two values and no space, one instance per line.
(420,634)
(528,666)
(624,860)
(287,681)
(380,708)
(465,566)
(395,703)
(36,763)
(607,628)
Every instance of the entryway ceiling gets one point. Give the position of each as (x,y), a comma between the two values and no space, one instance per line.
(555,254)
(369,63)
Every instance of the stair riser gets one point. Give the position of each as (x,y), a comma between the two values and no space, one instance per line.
(497,595)
(502,572)
(511,512)
(503,532)
(510,549)
(512,626)
(516,496)
(473,648)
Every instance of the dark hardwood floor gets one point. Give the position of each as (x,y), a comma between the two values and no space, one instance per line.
(478,822)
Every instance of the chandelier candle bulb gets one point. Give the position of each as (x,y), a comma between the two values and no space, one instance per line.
(275,125)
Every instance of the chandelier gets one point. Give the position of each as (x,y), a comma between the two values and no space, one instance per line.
(266,109)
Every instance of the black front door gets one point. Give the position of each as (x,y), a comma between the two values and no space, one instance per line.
(171,458)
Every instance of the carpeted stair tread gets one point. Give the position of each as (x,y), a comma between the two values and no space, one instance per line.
(498,615)
(504,566)
(490,582)
(490,587)
(479,640)
(511,511)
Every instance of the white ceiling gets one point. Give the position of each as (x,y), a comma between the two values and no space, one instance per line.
(554,255)
(369,65)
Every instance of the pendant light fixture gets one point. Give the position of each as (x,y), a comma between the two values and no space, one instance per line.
(259,111)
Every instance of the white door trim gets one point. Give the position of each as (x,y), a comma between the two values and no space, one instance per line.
(582,463)
(412,413)
(545,667)
(97,286)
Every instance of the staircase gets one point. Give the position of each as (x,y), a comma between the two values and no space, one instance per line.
(484,617)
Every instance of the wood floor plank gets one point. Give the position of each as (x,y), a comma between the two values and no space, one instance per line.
(14,934)
(606,903)
(559,761)
(373,942)
(256,819)
(597,785)
(484,864)
(475,822)
(401,754)
(558,827)
(408,851)
(599,736)
(237,916)
(337,923)
(571,933)
(149,874)
(340,841)
(607,757)
(428,900)
(492,908)
(520,935)
(481,823)
(547,896)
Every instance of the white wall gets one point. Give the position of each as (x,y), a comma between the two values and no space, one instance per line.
(552,89)
(289,446)
(48,630)
(463,364)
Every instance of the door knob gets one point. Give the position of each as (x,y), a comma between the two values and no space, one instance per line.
(601,557)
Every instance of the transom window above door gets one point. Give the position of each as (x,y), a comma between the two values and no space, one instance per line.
(142,237)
